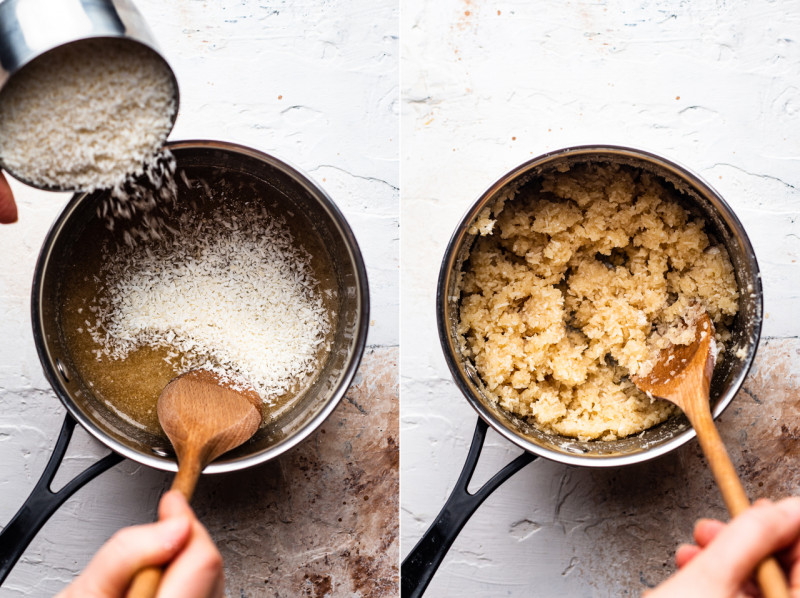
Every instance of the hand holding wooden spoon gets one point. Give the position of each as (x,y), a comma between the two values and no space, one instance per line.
(203,419)
(682,375)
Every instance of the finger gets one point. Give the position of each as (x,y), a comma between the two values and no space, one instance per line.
(791,554)
(198,570)
(173,504)
(685,553)
(705,530)
(794,579)
(750,590)
(748,539)
(8,207)
(113,567)
(790,559)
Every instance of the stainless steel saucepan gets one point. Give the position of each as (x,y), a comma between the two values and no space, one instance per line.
(314,210)
(421,563)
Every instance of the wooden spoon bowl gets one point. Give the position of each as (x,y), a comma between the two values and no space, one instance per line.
(204,417)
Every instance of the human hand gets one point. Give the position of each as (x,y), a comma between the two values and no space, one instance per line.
(178,540)
(723,562)
(197,570)
(8,208)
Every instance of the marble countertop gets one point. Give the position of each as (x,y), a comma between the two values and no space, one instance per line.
(487,86)
(314,83)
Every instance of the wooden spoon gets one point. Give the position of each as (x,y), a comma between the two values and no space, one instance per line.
(203,419)
(682,375)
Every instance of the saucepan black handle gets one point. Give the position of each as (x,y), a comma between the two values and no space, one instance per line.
(421,563)
(43,502)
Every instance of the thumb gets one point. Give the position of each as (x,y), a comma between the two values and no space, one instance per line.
(173,504)
(752,536)
(111,570)
(8,209)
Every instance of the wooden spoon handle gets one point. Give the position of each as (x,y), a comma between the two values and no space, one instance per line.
(719,461)
(145,583)
(186,479)
(770,576)
(771,579)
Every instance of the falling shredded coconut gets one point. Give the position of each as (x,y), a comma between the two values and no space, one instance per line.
(87,115)
(138,198)
(232,293)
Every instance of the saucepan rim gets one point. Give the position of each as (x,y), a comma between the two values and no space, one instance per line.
(345,375)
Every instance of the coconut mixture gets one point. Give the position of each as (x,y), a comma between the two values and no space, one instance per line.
(234,283)
(575,282)
(86,115)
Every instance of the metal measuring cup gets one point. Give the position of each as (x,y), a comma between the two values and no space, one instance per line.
(31,28)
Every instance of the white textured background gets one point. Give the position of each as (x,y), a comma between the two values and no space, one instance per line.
(488,85)
(314,82)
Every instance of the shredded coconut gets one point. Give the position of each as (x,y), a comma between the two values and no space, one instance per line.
(86,115)
(232,293)
(134,201)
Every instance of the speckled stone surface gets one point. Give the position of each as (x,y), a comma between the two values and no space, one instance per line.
(322,519)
